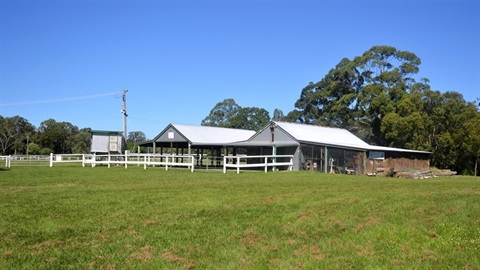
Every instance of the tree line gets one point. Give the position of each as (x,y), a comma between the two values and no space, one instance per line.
(20,137)
(379,97)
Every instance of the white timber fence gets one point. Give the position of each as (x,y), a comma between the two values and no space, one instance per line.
(68,158)
(265,161)
(7,160)
(126,159)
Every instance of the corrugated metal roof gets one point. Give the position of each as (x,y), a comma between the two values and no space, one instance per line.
(322,135)
(266,144)
(334,137)
(392,149)
(206,135)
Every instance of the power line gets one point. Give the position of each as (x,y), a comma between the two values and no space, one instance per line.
(56,100)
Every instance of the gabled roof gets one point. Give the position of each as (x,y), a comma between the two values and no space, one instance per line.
(206,135)
(305,133)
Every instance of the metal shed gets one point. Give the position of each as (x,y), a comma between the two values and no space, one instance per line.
(106,142)
(318,148)
(329,149)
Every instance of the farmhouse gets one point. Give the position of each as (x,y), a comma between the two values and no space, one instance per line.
(317,148)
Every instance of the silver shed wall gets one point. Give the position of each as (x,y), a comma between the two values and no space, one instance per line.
(106,142)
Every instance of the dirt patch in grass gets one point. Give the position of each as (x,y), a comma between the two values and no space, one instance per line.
(143,255)
(429,256)
(369,222)
(251,239)
(310,251)
(397,262)
(364,251)
(337,224)
(173,258)
(302,216)
(147,222)
(432,234)
(358,228)
(8,254)
(41,248)
(275,262)
(270,200)
(45,244)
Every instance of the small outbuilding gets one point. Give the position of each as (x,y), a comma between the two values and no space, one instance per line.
(107,142)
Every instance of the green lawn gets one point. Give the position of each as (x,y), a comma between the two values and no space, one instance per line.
(99,218)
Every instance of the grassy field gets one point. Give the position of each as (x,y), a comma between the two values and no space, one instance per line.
(100,218)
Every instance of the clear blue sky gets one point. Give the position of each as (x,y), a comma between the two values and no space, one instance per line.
(66,59)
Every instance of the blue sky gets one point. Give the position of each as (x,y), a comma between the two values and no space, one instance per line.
(70,60)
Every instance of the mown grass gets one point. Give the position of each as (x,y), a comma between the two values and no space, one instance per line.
(101,218)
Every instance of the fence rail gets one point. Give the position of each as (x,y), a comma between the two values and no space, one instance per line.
(126,159)
(24,160)
(68,158)
(239,162)
(7,160)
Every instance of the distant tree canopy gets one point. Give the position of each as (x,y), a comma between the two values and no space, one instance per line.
(14,132)
(228,113)
(222,114)
(133,138)
(377,97)
(18,136)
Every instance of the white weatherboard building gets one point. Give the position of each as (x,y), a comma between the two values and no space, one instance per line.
(313,147)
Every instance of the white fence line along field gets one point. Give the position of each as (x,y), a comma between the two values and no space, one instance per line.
(24,160)
(125,160)
(239,162)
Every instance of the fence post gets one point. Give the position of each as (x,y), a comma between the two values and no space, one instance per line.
(266,164)
(238,165)
(224,164)
(126,158)
(51,160)
(193,162)
(166,163)
(8,162)
(83,160)
(291,164)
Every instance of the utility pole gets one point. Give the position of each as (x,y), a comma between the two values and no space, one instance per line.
(124,112)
